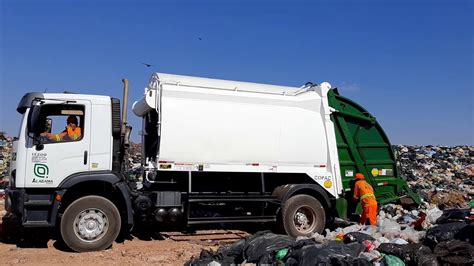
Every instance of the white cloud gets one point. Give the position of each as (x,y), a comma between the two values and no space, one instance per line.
(349,87)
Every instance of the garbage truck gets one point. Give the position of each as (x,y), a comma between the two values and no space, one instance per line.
(213,152)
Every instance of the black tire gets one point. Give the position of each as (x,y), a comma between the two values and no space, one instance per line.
(311,209)
(105,214)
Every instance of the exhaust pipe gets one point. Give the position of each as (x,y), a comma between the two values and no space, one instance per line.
(124,105)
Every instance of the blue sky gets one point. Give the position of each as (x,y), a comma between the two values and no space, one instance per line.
(410,63)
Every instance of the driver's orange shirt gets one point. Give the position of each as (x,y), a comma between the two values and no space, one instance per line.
(74,134)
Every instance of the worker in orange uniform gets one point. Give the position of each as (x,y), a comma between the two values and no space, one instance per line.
(71,132)
(365,192)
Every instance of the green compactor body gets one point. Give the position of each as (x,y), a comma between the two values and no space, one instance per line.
(363,147)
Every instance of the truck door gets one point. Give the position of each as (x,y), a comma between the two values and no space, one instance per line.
(59,144)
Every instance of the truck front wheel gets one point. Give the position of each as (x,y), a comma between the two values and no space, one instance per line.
(303,215)
(90,223)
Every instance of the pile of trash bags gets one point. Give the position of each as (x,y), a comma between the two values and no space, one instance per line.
(427,236)
(441,175)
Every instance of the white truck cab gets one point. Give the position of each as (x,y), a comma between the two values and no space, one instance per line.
(45,163)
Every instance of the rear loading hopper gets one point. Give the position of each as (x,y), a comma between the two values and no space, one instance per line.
(364,147)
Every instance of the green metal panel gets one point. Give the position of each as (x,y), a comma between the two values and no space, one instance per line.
(364,147)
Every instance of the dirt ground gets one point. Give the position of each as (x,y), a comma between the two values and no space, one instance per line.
(166,248)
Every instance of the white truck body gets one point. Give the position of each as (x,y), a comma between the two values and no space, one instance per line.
(228,126)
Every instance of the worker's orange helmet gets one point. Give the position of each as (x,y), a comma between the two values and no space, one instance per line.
(359,176)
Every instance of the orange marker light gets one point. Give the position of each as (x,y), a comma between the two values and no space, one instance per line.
(58,197)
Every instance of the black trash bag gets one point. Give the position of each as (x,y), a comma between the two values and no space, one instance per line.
(261,247)
(466,234)
(453,215)
(344,250)
(207,257)
(428,260)
(455,252)
(421,255)
(361,262)
(349,261)
(357,237)
(309,255)
(443,232)
(411,254)
(305,242)
(333,253)
(234,250)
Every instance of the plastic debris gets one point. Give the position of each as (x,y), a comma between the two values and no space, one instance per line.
(391,260)
(390,228)
(281,254)
(371,256)
(399,241)
(433,214)
(369,245)
(357,237)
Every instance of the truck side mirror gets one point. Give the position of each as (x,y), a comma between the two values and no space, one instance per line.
(39,146)
(33,118)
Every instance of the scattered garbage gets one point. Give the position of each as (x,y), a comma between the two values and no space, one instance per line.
(444,244)
(5,156)
(443,176)
(357,237)
(395,240)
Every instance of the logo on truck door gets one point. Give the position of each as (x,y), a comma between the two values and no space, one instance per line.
(42,172)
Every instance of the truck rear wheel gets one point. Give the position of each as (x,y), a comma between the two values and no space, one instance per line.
(90,223)
(303,215)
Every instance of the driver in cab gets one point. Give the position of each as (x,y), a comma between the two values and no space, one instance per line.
(71,132)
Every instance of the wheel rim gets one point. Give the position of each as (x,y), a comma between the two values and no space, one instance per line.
(91,224)
(304,220)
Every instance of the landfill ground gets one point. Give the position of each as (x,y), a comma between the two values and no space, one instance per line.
(166,248)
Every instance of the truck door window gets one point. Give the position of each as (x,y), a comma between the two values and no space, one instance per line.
(60,123)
